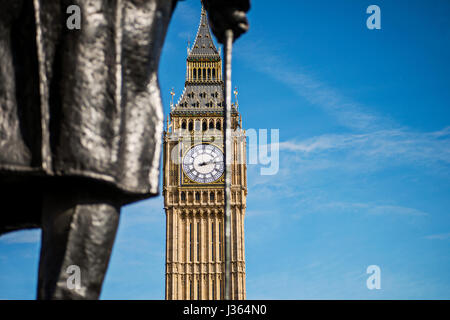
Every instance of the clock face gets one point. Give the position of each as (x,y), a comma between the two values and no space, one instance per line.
(203,163)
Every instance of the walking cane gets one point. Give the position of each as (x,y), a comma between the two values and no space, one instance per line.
(228,45)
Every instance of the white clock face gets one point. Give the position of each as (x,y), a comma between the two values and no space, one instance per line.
(203,163)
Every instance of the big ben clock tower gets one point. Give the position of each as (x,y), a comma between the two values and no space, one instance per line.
(194,182)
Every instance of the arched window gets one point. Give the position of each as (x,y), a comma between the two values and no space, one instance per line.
(209,74)
(204,74)
(183,125)
(214,74)
(211,196)
(197,196)
(218,126)
(191,126)
(211,124)
(183,196)
(195,74)
(204,125)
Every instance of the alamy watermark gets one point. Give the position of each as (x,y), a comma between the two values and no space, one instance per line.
(374,280)
(374,20)
(262,146)
(258,150)
(74,280)
(73,22)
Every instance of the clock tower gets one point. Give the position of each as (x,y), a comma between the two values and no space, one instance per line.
(194,182)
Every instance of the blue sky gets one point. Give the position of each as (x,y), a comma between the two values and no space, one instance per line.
(364,173)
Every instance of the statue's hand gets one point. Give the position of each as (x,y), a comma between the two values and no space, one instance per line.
(227,14)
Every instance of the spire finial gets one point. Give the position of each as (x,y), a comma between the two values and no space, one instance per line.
(172,93)
(203,44)
(235,96)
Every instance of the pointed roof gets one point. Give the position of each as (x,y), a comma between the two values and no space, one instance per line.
(202,96)
(203,44)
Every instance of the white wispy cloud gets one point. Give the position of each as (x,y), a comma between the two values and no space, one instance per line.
(320,205)
(396,143)
(188,13)
(26,236)
(440,236)
(372,135)
(188,16)
(347,112)
(395,210)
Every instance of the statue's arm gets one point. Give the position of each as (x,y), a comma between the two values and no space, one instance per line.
(227,14)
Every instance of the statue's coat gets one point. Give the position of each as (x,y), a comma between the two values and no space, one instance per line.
(82,105)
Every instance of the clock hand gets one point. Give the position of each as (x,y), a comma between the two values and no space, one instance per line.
(209,162)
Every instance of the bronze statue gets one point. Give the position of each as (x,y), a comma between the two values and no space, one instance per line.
(81,124)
